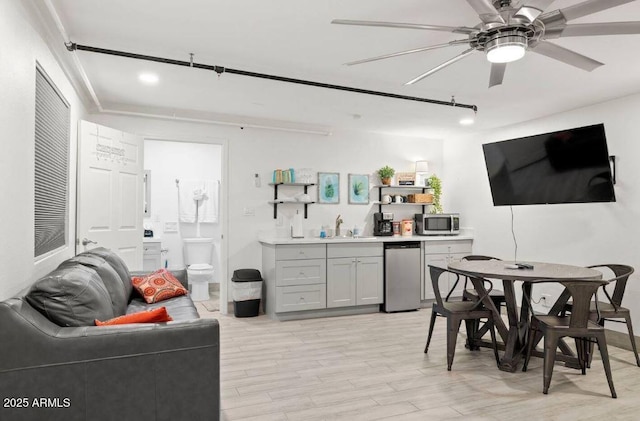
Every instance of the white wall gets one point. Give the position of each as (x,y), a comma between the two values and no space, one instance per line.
(168,161)
(582,234)
(253,151)
(21,45)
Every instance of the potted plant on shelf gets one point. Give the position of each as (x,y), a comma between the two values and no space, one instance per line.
(435,185)
(385,173)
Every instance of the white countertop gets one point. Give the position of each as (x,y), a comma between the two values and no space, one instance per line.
(151,240)
(342,240)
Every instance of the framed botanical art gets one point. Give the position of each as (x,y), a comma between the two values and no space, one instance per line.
(359,189)
(328,187)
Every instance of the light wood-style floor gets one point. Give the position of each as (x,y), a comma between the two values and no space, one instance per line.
(372,367)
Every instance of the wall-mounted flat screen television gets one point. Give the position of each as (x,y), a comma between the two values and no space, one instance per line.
(567,166)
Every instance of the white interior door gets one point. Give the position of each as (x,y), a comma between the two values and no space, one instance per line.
(110,196)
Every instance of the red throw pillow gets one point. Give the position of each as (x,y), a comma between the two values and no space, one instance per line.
(156,315)
(160,285)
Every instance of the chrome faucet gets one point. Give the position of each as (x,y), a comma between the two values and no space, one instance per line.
(338,222)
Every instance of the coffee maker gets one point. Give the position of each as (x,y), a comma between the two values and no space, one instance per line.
(382,223)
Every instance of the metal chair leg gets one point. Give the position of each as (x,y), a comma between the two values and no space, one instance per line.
(604,353)
(530,344)
(453,326)
(550,347)
(627,319)
(431,324)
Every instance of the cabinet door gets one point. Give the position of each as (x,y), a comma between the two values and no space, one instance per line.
(341,282)
(151,262)
(439,260)
(300,272)
(369,280)
(301,297)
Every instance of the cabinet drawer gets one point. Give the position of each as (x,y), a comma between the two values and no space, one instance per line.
(462,246)
(301,297)
(301,272)
(151,248)
(295,252)
(354,250)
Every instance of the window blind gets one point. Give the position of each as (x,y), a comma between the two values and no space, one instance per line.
(51,166)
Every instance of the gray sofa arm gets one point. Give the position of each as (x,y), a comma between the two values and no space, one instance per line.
(129,372)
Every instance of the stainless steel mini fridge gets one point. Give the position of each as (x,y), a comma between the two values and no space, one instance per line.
(401,276)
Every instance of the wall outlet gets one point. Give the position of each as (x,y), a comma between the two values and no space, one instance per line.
(545,300)
(249,211)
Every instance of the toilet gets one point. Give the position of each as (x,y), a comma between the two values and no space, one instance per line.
(198,255)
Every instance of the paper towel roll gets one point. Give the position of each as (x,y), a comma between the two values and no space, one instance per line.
(296,226)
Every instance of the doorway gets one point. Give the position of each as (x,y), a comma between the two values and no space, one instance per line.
(170,164)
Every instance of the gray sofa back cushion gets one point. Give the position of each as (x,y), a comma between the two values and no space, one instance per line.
(110,279)
(72,295)
(118,265)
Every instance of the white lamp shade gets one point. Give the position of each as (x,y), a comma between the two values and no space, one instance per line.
(422,166)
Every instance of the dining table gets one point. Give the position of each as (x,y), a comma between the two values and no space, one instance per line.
(515,334)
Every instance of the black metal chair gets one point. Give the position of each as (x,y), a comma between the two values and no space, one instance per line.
(455,312)
(576,325)
(612,310)
(496,295)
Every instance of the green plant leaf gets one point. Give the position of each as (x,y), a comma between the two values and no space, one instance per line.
(358,188)
(329,191)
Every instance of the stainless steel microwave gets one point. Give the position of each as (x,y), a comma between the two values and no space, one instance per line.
(437,223)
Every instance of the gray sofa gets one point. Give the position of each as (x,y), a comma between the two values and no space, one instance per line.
(55,365)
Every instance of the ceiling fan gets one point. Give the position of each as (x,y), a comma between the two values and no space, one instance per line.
(510,28)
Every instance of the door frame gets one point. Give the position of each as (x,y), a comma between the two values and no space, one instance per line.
(224,203)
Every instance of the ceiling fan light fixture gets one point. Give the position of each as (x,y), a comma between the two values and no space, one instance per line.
(506,47)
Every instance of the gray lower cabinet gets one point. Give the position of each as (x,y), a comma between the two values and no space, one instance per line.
(442,253)
(151,255)
(355,275)
(296,277)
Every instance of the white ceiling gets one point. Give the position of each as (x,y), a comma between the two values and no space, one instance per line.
(294,38)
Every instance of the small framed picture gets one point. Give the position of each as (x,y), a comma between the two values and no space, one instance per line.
(359,189)
(329,188)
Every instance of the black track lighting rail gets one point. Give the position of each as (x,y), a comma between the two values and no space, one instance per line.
(72,46)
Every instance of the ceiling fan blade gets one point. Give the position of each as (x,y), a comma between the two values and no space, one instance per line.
(579,10)
(415,50)
(593,29)
(566,56)
(497,74)
(532,9)
(486,10)
(442,66)
(454,29)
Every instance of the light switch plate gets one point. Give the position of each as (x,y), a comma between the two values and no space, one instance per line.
(249,211)
(171,226)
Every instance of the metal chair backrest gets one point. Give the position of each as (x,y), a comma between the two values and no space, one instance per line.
(437,273)
(581,291)
(622,273)
(479,257)
(472,257)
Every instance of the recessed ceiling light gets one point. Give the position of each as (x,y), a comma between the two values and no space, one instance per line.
(466,121)
(148,78)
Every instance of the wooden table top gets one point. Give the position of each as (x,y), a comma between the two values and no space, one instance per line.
(541,271)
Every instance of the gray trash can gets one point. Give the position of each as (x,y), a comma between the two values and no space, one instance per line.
(247,292)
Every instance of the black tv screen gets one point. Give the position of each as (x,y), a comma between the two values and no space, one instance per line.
(568,166)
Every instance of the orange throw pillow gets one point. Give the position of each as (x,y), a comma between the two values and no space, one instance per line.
(160,285)
(156,315)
